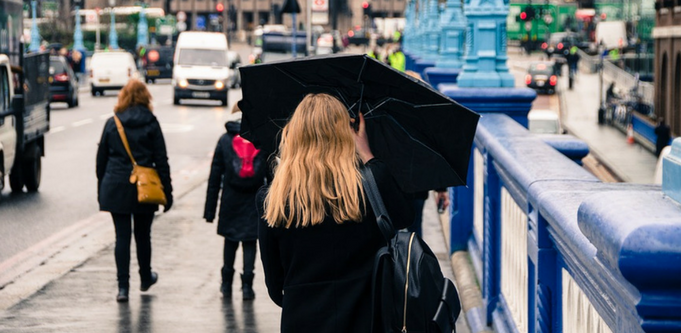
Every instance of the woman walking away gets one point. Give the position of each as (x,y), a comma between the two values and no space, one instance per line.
(239,170)
(117,195)
(318,236)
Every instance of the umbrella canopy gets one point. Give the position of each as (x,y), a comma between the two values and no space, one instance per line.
(424,136)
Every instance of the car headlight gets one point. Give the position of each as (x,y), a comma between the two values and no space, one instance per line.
(183,83)
(219,85)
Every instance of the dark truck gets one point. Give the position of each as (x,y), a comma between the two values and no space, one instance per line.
(24,119)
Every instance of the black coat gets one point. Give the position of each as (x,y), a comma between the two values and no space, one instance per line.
(116,193)
(238,220)
(321,275)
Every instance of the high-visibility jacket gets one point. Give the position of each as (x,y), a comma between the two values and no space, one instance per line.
(398,61)
(372,54)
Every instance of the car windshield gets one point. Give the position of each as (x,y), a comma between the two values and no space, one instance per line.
(203,57)
(541,69)
(57,67)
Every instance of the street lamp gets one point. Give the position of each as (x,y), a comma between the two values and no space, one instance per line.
(35,34)
(78,32)
(113,37)
(142,29)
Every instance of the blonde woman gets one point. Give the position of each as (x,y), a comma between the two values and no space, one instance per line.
(318,235)
(115,192)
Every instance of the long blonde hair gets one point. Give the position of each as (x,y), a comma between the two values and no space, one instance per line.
(318,169)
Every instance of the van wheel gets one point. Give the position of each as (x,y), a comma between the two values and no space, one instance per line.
(176,101)
(16,181)
(224,101)
(32,168)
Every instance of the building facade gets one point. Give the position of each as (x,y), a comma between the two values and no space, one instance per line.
(667,37)
(245,15)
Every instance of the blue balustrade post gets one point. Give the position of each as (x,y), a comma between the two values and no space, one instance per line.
(35,33)
(142,29)
(485,59)
(491,251)
(671,172)
(409,27)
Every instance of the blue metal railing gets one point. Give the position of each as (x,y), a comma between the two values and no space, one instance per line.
(555,249)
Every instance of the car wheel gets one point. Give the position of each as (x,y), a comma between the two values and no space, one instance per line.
(72,100)
(16,181)
(76,103)
(32,168)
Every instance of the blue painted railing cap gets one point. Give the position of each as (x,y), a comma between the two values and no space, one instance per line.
(636,233)
(513,94)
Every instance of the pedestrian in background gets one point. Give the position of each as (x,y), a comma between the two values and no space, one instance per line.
(663,133)
(318,236)
(238,170)
(396,58)
(115,192)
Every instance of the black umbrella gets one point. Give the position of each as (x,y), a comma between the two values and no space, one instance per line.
(424,136)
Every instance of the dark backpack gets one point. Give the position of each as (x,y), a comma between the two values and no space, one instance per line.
(247,167)
(410,294)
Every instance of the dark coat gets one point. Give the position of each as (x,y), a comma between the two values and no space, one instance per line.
(116,193)
(321,275)
(238,220)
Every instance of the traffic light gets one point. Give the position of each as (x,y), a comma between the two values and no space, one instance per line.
(219,7)
(529,10)
(366,6)
(523,16)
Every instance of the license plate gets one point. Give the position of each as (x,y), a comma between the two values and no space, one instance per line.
(198,94)
(540,83)
(153,72)
(104,80)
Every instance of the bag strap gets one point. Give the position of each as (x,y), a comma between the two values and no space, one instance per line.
(124,138)
(376,201)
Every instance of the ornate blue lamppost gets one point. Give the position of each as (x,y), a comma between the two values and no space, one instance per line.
(142,29)
(453,32)
(431,32)
(113,37)
(485,59)
(78,32)
(35,33)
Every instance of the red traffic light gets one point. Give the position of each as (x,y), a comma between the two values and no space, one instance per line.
(219,7)
(523,16)
(365,5)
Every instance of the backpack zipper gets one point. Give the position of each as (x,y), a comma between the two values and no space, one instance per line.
(406,285)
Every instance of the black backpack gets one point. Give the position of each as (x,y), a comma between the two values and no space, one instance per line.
(410,294)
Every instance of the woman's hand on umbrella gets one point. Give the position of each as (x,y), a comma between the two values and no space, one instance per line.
(362,141)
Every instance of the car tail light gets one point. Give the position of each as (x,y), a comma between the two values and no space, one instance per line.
(63,77)
(528,79)
(544,46)
(553,80)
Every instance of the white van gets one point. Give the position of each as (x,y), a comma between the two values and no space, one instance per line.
(111,70)
(544,122)
(201,69)
(613,34)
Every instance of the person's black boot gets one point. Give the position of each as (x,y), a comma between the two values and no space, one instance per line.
(147,283)
(122,296)
(226,286)
(247,286)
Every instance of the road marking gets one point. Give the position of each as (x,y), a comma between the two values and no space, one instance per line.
(82,122)
(56,129)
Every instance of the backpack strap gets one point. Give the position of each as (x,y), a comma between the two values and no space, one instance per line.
(124,138)
(376,201)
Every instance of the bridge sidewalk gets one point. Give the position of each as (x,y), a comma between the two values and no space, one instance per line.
(187,255)
(579,113)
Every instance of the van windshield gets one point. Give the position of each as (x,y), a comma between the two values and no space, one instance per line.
(202,57)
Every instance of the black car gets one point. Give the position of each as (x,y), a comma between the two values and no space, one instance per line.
(157,63)
(63,82)
(541,76)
